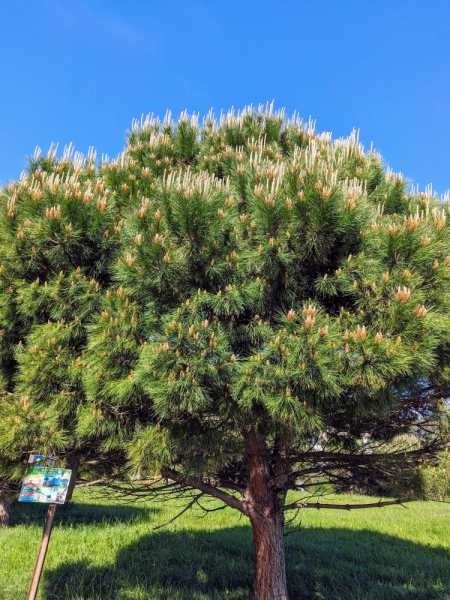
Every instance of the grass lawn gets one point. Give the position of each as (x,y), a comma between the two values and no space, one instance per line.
(103,552)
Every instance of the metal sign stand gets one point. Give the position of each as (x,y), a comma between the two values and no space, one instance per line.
(32,592)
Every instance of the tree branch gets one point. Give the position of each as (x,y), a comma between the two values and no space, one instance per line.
(179,514)
(206,488)
(222,483)
(345,506)
(89,483)
(295,530)
(365,458)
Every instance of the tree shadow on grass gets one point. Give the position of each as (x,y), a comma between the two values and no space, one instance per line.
(73,514)
(322,564)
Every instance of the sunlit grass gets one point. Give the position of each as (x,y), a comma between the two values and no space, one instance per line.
(101,552)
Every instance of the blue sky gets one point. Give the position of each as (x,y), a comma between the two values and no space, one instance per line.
(81,71)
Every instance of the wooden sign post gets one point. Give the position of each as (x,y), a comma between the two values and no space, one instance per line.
(33,485)
(32,592)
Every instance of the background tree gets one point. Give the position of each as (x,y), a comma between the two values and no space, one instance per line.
(55,252)
(8,488)
(274,297)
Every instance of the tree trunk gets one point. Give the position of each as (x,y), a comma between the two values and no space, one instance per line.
(5,511)
(270,568)
(264,501)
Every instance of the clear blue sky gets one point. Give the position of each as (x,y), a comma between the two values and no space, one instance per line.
(81,71)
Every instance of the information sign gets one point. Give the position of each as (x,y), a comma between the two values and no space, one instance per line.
(45,484)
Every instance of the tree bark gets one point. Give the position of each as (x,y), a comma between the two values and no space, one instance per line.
(269,562)
(264,504)
(5,511)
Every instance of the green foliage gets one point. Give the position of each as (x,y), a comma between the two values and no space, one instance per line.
(250,275)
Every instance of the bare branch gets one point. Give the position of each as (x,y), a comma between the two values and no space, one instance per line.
(179,514)
(318,505)
(206,488)
(351,458)
(295,530)
(222,483)
(89,483)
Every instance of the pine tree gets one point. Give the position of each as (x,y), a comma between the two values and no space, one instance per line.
(273,297)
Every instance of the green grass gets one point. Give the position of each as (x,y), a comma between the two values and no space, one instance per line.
(103,552)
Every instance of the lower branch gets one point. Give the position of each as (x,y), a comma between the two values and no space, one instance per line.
(295,530)
(318,505)
(89,483)
(362,458)
(206,488)
(179,514)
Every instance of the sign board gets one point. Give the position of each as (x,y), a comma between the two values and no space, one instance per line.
(45,484)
